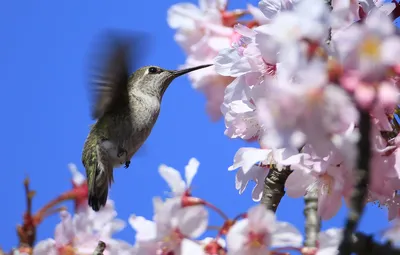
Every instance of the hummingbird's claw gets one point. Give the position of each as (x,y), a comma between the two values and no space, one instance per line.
(127,163)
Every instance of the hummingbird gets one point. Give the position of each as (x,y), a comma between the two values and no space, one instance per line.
(125,108)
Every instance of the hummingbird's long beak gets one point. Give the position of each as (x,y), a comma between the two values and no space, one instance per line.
(178,73)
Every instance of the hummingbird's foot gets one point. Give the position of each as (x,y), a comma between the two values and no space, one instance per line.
(121,152)
(127,163)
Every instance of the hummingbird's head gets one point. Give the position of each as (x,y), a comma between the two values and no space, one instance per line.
(154,80)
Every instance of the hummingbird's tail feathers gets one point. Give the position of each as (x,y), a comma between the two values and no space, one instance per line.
(98,192)
(99,177)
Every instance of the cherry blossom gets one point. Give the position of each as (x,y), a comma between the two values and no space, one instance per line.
(366,67)
(260,231)
(173,228)
(202,31)
(174,179)
(328,241)
(82,231)
(327,176)
(313,110)
(292,78)
(270,8)
(246,159)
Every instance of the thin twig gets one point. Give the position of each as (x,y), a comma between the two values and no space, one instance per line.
(274,187)
(360,189)
(101,246)
(27,231)
(312,225)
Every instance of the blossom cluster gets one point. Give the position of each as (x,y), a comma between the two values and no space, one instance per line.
(301,72)
(179,226)
(294,79)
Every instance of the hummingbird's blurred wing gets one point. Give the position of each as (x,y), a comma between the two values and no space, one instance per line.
(109,84)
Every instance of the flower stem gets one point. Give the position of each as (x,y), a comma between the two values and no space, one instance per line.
(216,209)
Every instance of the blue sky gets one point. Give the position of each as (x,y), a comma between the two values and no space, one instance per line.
(45,116)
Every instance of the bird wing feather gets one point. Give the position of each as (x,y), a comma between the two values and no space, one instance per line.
(109,89)
(109,84)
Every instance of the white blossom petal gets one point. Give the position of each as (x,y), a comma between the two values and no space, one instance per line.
(191,170)
(286,235)
(193,220)
(173,178)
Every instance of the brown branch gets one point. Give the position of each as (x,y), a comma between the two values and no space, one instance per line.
(27,232)
(101,246)
(329,4)
(396,12)
(365,245)
(274,187)
(312,226)
(360,190)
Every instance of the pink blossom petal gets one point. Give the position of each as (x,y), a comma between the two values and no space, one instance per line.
(329,204)
(183,15)
(191,247)
(64,232)
(112,227)
(244,31)
(246,157)
(241,67)
(388,95)
(145,229)
(380,23)
(77,177)
(286,235)
(259,177)
(191,170)
(173,178)
(287,156)
(257,14)
(298,181)
(224,61)
(387,8)
(350,82)
(390,49)
(260,218)
(236,237)
(193,220)
(268,47)
(364,95)
(329,241)
(270,7)
(47,246)
(242,179)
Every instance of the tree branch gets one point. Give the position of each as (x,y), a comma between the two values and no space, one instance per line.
(27,231)
(360,190)
(364,244)
(101,246)
(396,12)
(329,4)
(274,187)
(312,220)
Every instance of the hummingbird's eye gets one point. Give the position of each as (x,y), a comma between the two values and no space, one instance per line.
(153,70)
